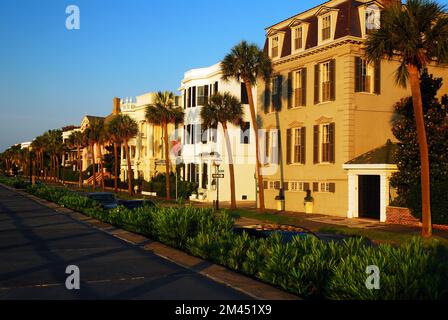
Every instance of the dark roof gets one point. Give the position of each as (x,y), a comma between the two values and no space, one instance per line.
(109,118)
(92,118)
(347,24)
(381,155)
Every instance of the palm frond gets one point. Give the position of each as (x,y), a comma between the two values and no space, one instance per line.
(402,75)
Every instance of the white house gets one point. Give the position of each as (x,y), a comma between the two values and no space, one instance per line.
(204,148)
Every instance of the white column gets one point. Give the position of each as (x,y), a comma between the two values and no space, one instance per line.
(352,196)
(384,194)
(150,140)
(200,175)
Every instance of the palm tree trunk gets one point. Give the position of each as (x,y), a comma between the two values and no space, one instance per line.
(423,145)
(101,167)
(115,168)
(231,167)
(92,150)
(79,166)
(167,160)
(250,97)
(128,160)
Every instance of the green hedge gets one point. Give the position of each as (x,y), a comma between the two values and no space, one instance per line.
(308,267)
(439,202)
(158,185)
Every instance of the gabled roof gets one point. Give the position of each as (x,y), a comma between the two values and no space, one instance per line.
(381,155)
(92,118)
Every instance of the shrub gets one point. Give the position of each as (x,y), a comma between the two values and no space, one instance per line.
(157,184)
(439,202)
(407,272)
(306,266)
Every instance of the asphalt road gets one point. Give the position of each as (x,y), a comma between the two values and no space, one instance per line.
(38,243)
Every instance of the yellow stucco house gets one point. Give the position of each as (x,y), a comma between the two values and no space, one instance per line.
(326,112)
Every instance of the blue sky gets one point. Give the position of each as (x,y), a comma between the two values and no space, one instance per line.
(51,77)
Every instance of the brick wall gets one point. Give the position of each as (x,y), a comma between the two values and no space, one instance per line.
(403,216)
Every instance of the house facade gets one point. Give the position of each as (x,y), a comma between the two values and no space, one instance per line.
(146,149)
(324,107)
(204,148)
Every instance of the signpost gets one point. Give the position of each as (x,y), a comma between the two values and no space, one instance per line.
(217,176)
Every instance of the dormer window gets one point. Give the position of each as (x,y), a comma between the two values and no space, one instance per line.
(373,18)
(274,46)
(298,38)
(326,27)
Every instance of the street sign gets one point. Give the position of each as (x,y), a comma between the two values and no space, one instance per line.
(217,176)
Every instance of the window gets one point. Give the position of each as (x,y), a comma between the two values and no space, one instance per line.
(244,97)
(271,146)
(198,133)
(274,46)
(202,95)
(324,143)
(193,97)
(325,81)
(326,27)
(189,98)
(276,93)
(367,76)
(324,187)
(267,145)
(216,87)
(296,186)
(328,187)
(132,152)
(300,88)
(245,133)
(213,133)
(297,146)
(373,18)
(298,38)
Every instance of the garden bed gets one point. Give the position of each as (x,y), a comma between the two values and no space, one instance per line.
(308,267)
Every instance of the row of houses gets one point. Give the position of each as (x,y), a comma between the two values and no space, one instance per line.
(324,118)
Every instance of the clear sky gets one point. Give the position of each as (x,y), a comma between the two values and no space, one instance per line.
(51,77)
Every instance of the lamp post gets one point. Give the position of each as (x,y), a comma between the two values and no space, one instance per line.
(217,163)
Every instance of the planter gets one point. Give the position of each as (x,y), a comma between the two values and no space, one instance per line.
(280,205)
(309,207)
(193,197)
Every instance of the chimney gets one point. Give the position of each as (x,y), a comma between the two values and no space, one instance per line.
(117,109)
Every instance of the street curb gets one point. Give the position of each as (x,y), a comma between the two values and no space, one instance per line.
(251,287)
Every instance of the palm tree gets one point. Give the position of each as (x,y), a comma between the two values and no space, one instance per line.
(125,128)
(77,140)
(417,35)
(247,62)
(94,134)
(115,138)
(38,146)
(224,108)
(163,112)
(54,147)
